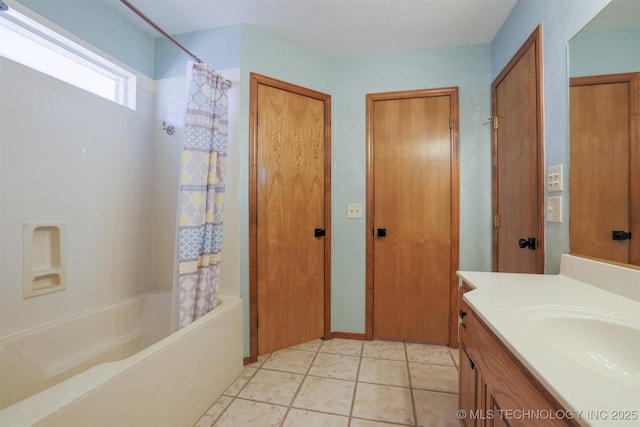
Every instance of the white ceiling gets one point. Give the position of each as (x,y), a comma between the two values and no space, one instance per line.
(339,28)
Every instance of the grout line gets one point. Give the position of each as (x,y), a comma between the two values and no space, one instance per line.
(304,378)
(355,386)
(413,399)
(356,382)
(233,398)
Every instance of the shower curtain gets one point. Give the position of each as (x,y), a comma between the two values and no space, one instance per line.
(201,197)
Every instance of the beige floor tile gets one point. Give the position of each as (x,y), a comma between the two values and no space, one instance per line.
(382,371)
(272,387)
(435,409)
(326,395)
(214,412)
(243,413)
(297,361)
(241,381)
(329,394)
(308,346)
(335,366)
(342,346)
(302,418)
(456,356)
(434,377)
(384,350)
(383,403)
(434,354)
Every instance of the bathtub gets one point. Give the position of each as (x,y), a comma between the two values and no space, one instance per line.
(118,365)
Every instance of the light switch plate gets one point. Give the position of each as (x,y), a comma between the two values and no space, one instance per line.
(554,209)
(554,178)
(354,210)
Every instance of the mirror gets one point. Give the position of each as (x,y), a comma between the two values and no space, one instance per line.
(604,82)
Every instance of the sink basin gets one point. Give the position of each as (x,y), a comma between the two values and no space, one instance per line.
(603,342)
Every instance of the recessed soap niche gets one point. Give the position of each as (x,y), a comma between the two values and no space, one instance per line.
(44,258)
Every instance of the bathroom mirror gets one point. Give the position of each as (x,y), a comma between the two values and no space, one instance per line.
(604,165)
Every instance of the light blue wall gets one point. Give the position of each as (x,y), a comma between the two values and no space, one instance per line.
(99,24)
(468,68)
(218,47)
(561,20)
(348,81)
(605,52)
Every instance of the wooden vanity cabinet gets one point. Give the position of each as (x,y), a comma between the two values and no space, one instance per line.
(495,388)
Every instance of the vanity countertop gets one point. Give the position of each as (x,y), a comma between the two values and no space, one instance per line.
(578,332)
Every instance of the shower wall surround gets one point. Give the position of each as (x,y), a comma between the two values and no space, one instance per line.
(69,156)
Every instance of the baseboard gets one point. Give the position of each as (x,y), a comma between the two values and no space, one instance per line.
(348,336)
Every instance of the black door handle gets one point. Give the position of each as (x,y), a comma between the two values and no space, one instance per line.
(382,232)
(620,235)
(529,242)
(319,232)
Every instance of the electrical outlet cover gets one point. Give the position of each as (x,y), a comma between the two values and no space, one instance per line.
(354,210)
(554,178)
(554,209)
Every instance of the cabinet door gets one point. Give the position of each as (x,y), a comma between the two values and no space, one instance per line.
(467,386)
(497,420)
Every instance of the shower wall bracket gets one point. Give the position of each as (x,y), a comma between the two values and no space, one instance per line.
(44,258)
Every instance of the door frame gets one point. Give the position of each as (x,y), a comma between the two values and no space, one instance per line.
(255,81)
(535,39)
(452,92)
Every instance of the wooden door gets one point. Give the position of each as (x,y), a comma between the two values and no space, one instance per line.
(518,163)
(604,151)
(290,151)
(412,214)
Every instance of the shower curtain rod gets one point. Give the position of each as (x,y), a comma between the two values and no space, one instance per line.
(160,30)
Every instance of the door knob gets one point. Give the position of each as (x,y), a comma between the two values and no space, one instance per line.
(382,232)
(319,232)
(529,242)
(620,235)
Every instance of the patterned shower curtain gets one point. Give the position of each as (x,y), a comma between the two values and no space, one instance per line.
(201,198)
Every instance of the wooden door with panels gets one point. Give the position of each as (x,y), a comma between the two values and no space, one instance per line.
(605,167)
(412,215)
(289,210)
(518,162)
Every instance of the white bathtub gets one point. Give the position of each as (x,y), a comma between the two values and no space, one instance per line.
(117,365)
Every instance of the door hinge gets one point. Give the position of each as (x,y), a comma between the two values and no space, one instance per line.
(450,122)
(494,120)
(257,322)
(449,319)
(496,221)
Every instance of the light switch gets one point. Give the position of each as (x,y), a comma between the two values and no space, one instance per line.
(354,210)
(554,209)
(554,178)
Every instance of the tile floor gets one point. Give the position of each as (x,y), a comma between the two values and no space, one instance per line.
(343,383)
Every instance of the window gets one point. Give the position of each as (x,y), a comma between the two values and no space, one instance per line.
(36,46)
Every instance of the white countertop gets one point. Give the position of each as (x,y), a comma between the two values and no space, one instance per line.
(504,300)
